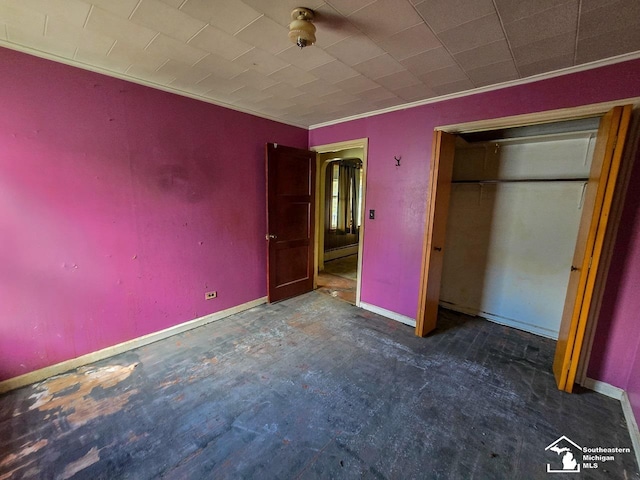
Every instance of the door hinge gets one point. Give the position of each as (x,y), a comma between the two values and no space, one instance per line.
(615,142)
(590,262)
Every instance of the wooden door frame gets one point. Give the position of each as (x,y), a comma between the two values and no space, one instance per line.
(334,147)
(619,191)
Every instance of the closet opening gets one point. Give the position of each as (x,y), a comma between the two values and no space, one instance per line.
(517,227)
(515,207)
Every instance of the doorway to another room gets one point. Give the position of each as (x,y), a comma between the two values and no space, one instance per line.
(340,204)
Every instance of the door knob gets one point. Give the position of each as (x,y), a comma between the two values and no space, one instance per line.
(271,236)
(437,249)
(573,269)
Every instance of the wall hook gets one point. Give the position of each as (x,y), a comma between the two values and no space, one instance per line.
(397,159)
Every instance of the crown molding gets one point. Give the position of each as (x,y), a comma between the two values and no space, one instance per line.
(489,88)
(146,83)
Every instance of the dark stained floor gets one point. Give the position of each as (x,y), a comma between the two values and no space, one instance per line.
(307,388)
(338,279)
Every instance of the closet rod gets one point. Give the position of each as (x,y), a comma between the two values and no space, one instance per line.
(535,180)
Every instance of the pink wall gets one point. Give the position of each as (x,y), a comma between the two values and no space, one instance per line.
(120,206)
(616,354)
(393,241)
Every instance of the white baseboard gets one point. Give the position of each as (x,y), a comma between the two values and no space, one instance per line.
(619,394)
(603,388)
(58,368)
(389,314)
(632,425)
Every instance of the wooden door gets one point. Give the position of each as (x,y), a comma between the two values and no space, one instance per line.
(593,224)
(290,221)
(444,145)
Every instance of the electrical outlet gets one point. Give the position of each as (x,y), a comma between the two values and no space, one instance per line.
(210,295)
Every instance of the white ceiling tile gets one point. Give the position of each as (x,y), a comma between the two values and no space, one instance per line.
(151,76)
(410,42)
(162,18)
(221,43)
(230,16)
(612,17)
(510,10)
(609,44)
(496,73)
(355,49)
(379,66)
(183,71)
(221,85)
(547,65)
(375,94)
(309,101)
(74,12)
(398,80)
(444,76)
(106,23)
(220,66)
(477,32)
(254,79)
(89,57)
(163,45)
(283,90)
(245,93)
(122,8)
(484,55)
(187,86)
(293,75)
(428,61)
(347,7)
(267,34)
(383,18)
(122,53)
(174,3)
(589,5)
(280,10)
(274,103)
(339,98)
(319,88)
(25,20)
(332,26)
(443,15)
(356,85)
(388,102)
(545,49)
(59,31)
(261,61)
(334,71)
(459,86)
(548,23)
(39,42)
(413,93)
(305,58)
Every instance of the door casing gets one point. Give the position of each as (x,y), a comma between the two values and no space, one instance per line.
(335,147)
